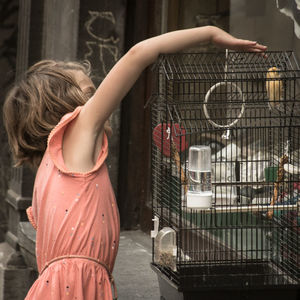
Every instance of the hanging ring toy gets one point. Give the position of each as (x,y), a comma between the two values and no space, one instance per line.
(233,87)
(207,96)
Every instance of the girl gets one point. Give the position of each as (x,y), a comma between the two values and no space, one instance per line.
(57,121)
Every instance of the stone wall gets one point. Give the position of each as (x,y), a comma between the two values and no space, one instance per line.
(8,48)
(197,13)
(264,21)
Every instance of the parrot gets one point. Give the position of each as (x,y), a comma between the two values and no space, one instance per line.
(274,86)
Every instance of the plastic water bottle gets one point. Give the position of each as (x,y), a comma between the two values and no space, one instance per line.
(199,195)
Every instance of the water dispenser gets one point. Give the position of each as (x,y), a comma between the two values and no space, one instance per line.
(199,195)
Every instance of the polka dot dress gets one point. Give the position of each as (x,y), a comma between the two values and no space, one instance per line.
(74,214)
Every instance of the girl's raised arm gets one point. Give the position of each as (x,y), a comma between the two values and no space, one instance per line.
(126,71)
(83,140)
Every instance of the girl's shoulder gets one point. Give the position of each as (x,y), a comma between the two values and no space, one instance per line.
(55,146)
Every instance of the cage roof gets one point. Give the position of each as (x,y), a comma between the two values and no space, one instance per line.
(233,66)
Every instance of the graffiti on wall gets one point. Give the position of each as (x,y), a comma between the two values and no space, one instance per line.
(291,8)
(103,42)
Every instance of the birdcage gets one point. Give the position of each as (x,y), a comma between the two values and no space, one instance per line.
(226,172)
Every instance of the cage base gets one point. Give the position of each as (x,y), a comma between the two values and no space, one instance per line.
(169,290)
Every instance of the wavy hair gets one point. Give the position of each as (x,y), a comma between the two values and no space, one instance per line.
(35,105)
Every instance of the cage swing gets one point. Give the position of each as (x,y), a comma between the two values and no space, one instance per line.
(226,172)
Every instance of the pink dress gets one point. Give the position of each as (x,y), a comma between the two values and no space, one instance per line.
(74,214)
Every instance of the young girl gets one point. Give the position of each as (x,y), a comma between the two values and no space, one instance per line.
(57,121)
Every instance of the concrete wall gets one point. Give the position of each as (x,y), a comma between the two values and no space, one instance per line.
(264,21)
(8,47)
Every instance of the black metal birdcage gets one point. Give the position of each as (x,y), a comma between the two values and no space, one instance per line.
(246,108)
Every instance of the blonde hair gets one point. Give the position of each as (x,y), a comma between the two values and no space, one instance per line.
(36,104)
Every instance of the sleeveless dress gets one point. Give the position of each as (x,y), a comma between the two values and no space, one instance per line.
(77,223)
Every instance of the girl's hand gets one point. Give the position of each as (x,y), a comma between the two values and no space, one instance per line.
(225,40)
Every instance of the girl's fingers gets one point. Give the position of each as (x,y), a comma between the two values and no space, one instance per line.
(241,45)
(255,45)
(261,47)
(260,51)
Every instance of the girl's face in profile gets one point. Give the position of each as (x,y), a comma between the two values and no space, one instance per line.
(88,87)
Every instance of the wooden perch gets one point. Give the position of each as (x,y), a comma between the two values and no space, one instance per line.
(175,156)
(280,174)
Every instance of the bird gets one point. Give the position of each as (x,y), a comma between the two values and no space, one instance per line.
(274,87)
